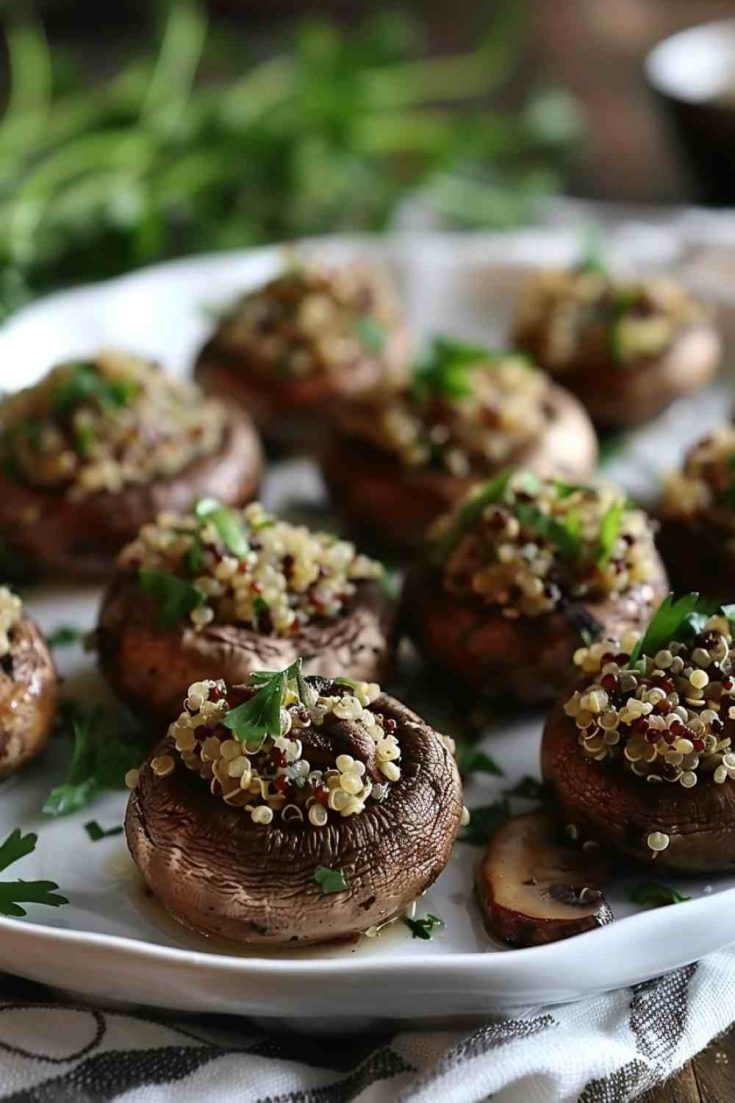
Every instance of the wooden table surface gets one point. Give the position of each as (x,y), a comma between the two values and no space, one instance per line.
(709,1078)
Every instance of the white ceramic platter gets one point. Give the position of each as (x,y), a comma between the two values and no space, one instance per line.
(114,942)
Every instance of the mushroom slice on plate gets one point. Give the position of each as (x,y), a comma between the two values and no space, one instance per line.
(535,890)
(293,809)
(28,686)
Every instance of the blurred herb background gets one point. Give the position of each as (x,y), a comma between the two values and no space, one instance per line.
(193,143)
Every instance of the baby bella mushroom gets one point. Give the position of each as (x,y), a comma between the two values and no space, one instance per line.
(28,686)
(626,348)
(293,809)
(640,756)
(310,339)
(400,459)
(221,592)
(521,572)
(98,447)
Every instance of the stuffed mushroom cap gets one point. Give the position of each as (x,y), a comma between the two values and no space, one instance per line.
(640,757)
(293,810)
(28,686)
(521,572)
(220,593)
(97,448)
(398,460)
(293,350)
(697,514)
(626,348)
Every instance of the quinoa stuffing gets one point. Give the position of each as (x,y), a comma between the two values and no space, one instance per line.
(528,545)
(268,747)
(11,610)
(315,321)
(663,715)
(570,317)
(467,409)
(705,488)
(104,424)
(245,567)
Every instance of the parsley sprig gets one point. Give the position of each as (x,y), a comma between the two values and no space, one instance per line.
(260,716)
(654,893)
(15,893)
(229,525)
(176,597)
(329,880)
(64,636)
(100,759)
(443,368)
(470,512)
(85,384)
(424,927)
(678,619)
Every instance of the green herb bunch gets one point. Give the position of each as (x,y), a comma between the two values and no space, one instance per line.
(195,146)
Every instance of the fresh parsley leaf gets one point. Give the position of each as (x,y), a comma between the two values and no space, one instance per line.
(329,880)
(565,489)
(85,384)
(654,893)
(470,512)
(84,439)
(100,759)
(566,535)
(443,368)
(371,334)
(528,788)
(194,558)
(422,928)
(176,597)
(671,621)
(15,893)
(592,258)
(485,821)
(474,761)
(609,532)
(228,524)
(64,636)
(96,832)
(259,717)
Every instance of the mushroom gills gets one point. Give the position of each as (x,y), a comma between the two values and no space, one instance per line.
(535,890)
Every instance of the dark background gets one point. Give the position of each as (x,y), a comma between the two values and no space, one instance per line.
(593,47)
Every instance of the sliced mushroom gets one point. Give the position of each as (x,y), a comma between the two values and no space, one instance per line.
(535,890)
(221,873)
(28,696)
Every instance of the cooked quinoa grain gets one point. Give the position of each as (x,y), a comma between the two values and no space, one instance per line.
(104,424)
(539,542)
(315,321)
(11,610)
(279,578)
(272,777)
(580,315)
(664,717)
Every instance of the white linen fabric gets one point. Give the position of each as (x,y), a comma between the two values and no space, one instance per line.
(607,1049)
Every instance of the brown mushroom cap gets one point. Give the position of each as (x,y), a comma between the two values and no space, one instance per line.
(152,668)
(220,873)
(618,810)
(28,696)
(619,395)
(80,538)
(395,504)
(527,658)
(291,413)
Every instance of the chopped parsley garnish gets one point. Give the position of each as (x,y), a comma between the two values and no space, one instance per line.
(474,761)
(565,535)
(470,512)
(100,759)
(15,893)
(229,525)
(64,636)
(85,384)
(592,259)
(260,716)
(609,532)
(329,880)
(96,832)
(654,893)
(422,928)
(565,489)
(485,821)
(443,368)
(371,334)
(675,619)
(176,597)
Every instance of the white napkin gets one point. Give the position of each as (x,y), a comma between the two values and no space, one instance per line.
(607,1049)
